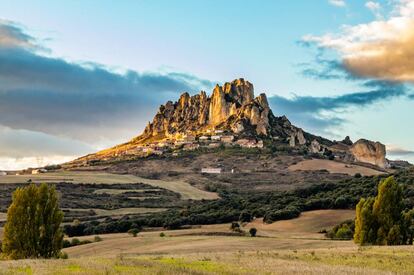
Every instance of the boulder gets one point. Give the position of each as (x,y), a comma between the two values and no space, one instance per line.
(369,152)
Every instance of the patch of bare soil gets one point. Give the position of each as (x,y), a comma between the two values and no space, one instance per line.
(333,167)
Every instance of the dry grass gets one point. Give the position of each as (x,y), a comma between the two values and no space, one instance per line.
(191,252)
(333,167)
(186,190)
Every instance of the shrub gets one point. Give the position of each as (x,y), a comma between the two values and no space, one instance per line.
(134,232)
(253,232)
(235,226)
(97,239)
(245,217)
(162,234)
(63,255)
(66,244)
(75,242)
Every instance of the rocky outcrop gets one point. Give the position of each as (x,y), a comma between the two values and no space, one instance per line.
(369,152)
(347,141)
(234,110)
(315,147)
(230,107)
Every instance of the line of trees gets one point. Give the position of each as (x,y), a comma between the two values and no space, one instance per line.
(383,220)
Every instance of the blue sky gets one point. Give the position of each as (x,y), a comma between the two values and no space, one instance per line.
(98,69)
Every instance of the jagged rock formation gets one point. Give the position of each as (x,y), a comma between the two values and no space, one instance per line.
(231,107)
(233,110)
(370,152)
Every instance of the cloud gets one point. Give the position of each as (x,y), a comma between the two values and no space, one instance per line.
(24,143)
(322,113)
(22,148)
(381,49)
(86,101)
(374,7)
(338,3)
(398,151)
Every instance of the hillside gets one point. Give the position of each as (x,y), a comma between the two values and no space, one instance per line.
(231,116)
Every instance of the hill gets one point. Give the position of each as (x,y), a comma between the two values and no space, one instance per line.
(231,116)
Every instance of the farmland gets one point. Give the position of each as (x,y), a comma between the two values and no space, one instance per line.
(285,247)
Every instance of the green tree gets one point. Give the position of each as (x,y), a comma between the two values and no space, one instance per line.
(134,232)
(381,220)
(33,223)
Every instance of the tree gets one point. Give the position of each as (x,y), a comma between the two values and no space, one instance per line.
(381,220)
(134,232)
(253,232)
(245,216)
(33,223)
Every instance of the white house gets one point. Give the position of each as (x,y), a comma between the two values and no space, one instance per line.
(211,170)
(2,173)
(217,138)
(38,171)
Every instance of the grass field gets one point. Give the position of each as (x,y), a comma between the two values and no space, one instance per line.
(285,247)
(186,190)
(333,167)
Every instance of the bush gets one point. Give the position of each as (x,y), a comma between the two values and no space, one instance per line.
(97,239)
(75,242)
(342,231)
(134,232)
(235,226)
(63,255)
(285,214)
(66,244)
(253,232)
(245,217)
(162,234)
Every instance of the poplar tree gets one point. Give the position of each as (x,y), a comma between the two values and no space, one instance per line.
(33,223)
(382,220)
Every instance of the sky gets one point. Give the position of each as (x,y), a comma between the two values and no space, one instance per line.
(79,76)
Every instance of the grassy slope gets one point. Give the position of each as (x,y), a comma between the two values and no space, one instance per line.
(291,247)
(186,190)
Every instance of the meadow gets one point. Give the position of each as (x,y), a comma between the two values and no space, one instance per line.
(284,247)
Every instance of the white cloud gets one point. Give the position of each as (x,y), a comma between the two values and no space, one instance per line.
(338,3)
(374,7)
(382,49)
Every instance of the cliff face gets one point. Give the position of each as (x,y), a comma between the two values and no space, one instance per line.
(231,107)
(370,152)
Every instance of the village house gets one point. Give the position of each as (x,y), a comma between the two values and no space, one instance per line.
(211,170)
(216,138)
(218,131)
(2,173)
(249,143)
(203,138)
(227,139)
(38,171)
